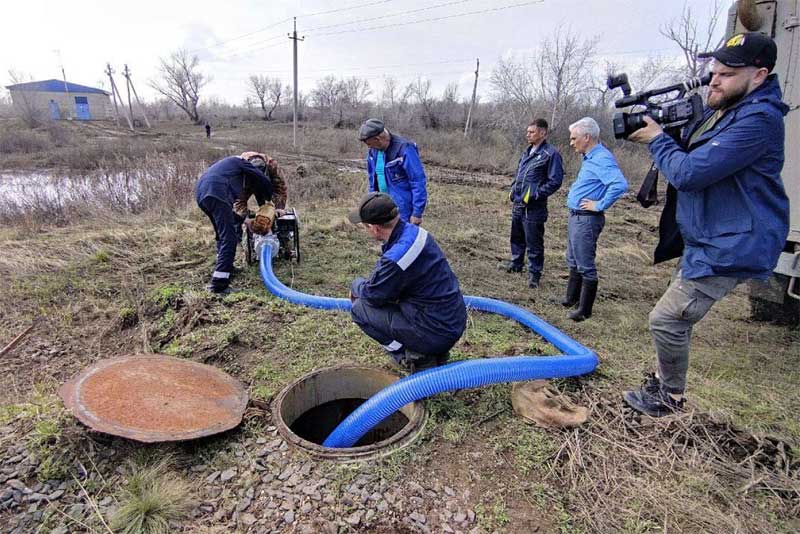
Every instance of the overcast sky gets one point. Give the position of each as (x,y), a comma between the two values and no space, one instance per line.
(236,38)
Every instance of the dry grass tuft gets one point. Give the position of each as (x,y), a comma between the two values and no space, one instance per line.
(152,500)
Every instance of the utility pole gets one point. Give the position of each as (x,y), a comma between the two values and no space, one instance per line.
(474,94)
(135,95)
(114,94)
(64,78)
(127,73)
(294,38)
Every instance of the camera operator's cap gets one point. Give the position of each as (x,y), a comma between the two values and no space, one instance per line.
(752,49)
(370,128)
(374,208)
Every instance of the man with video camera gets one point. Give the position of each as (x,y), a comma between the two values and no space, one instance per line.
(727,215)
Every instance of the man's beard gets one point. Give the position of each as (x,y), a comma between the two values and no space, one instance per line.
(726,101)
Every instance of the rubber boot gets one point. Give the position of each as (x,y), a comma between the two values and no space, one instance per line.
(588,294)
(573,289)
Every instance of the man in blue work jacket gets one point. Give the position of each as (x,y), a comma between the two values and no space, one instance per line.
(539,175)
(598,185)
(411,304)
(218,188)
(394,168)
(725,199)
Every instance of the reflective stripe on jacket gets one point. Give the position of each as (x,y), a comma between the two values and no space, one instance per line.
(414,273)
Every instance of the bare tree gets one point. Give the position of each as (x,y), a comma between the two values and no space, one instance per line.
(181,81)
(327,97)
(564,71)
(420,89)
(389,95)
(266,92)
(513,81)
(24,102)
(691,39)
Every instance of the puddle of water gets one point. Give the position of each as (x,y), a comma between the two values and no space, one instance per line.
(26,188)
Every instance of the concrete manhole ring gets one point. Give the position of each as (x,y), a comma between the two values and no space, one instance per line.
(343,388)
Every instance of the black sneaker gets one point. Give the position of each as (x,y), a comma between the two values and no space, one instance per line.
(510,267)
(652,399)
(220,292)
(533,281)
(427,361)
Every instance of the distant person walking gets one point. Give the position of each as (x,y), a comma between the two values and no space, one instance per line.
(394,168)
(539,175)
(598,185)
(208,130)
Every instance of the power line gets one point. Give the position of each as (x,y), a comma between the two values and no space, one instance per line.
(433,19)
(361,67)
(407,23)
(390,15)
(309,15)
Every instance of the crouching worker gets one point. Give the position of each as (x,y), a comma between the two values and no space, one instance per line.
(411,304)
(218,188)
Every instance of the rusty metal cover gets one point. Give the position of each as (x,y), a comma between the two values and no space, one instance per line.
(153,398)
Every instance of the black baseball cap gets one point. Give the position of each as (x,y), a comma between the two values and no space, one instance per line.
(753,49)
(374,208)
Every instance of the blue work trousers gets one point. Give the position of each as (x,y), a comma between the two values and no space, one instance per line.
(228,232)
(395,332)
(583,230)
(527,232)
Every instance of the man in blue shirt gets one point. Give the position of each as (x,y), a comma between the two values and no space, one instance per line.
(598,185)
(394,168)
(539,175)
(726,199)
(218,188)
(411,304)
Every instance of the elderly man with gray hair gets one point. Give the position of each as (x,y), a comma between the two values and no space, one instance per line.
(394,168)
(598,185)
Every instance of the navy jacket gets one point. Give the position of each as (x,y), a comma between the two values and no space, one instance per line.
(405,176)
(413,273)
(539,175)
(225,179)
(732,210)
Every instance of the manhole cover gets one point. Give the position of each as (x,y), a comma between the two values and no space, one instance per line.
(155,398)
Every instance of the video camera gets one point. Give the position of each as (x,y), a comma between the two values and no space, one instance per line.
(671,113)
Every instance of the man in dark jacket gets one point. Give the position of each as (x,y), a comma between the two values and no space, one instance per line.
(411,304)
(539,175)
(217,190)
(394,168)
(727,199)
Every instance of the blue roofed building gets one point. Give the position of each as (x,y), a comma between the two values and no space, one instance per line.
(58,99)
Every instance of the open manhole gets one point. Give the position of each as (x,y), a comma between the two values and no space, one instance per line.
(308,410)
(154,398)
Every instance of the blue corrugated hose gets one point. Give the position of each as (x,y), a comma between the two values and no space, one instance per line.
(575,360)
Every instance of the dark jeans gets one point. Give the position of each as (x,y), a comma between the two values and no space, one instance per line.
(527,231)
(228,232)
(582,234)
(395,332)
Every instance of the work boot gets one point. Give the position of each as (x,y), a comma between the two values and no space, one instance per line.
(533,280)
(422,362)
(219,291)
(588,294)
(652,399)
(573,289)
(510,267)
